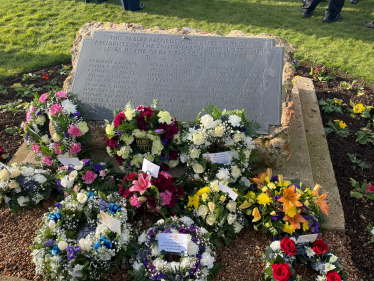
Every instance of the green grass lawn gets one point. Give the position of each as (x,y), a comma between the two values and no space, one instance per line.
(39,33)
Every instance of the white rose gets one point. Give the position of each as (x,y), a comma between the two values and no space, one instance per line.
(333,259)
(245,181)
(65,182)
(183,157)
(52,224)
(223,174)
(13,185)
(78,168)
(40,178)
(219,131)
(194,153)
(229,141)
(40,120)
(45,139)
(207,260)
(238,227)
(211,219)
(235,120)
(14,173)
(202,211)
(56,137)
(275,246)
(235,172)
(82,198)
(62,245)
(237,137)
(231,206)
(231,218)
(85,244)
(192,249)
(198,169)
(207,121)
(73,175)
(198,139)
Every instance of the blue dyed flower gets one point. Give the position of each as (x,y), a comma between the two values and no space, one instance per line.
(55,250)
(113,209)
(90,194)
(145,262)
(54,216)
(103,242)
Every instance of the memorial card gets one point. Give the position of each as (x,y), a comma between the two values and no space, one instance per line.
(229,190)
(219,158)
(153,169)
(172,242)
(112,223)
(308,238)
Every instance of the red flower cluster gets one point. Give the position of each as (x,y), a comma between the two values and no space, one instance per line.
(333,276)
(319,247)
(170,130)
(119,119)
(288,246)
(143,117)
(281,271)
(45,76)
(112,143)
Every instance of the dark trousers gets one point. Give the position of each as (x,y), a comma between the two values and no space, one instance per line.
(335,7)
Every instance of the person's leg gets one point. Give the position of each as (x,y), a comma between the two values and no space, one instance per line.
(334,9)
(310,5)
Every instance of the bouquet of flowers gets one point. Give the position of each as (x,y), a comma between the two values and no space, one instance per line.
(155,194)
(147,133)
(70,129)
(281,256)
(23,185)
(228,132)
(217,212)
(92,174)
(196,264)
(75,243)
(278,206)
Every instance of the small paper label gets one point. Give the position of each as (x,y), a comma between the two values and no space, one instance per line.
(218,158)
(150,167)
(112,223)
(308,238)
(70,161)
(172,242)
(229,190)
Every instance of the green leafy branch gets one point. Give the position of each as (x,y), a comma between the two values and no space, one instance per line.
(365,135)
(338,127)
(362,190)
(356,162)
(330,105)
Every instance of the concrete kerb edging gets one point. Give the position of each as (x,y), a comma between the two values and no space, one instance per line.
(320,160)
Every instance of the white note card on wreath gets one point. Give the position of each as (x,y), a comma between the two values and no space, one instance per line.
(172,242)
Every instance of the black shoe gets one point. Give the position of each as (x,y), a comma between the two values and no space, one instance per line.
(369,24)
(330,20)
(353,1)
(306,14)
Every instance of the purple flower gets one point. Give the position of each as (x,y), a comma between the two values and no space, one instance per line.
(59,189)
(167,231)
(199,256)
(70,169)
(128,165)
(275,178)
(194,239)
(151,232)
(97,167)
(87,162)
(72,251)
(276,198)
(58,205)
(77,114)
(152,239)
(27,136)
(145,262)
(159,131)
(67,135)
(58,182)
(49,243)
(315,230)
(192,228)
(38,113)
(182,230)
(294,61)
(163,158)
(311,222)
(164,142)
(118,133)
(152,267)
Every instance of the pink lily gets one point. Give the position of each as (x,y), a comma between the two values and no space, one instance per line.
(142,184)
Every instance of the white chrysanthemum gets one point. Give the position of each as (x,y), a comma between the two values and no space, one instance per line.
(155,251)
(174,266)
(321,278)
(235,120)
(142,238)
(136,265)
(309,252)
(68,107)
(28,171)
(40,178)
(186,220)
(22,200)
(207,121)
(275,246)
(159,264)
(207,260)
(329,267)
(186,262)
(223,174)
(192,249)
(38,197)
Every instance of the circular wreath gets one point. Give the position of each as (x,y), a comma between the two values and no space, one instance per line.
(282,256)
(73,243)
(143,133)
(196,264)
(217,212)
(219,132)
(92,174)
(70,129)
(22,185)
(154,194)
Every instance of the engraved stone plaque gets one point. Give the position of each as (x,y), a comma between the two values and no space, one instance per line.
(186,73)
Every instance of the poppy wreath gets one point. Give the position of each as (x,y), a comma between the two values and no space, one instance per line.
(282,256)
(214,132)
(279,206)
(196,264)
(70,128)
(74,244)
(160,194)
(144,132)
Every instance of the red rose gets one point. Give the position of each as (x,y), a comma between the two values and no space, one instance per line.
(319,247)
(288,246)
(333,276)
(281,272)
(119,119)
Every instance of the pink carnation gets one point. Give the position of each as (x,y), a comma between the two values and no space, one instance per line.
(166,197)
(32,109)
(75,147)
(89,177)
(61,94)
(55,109)
(74,131)
(57,150)
(35,147)
(134,201)
(47,160)
(43,98)
(28,116)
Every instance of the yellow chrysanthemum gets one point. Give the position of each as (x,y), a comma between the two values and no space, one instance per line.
(291,212)
(222,198)
(306,226)
(193,201)
(288,228)
(271,185)
(203,190)
(264,199)
(358,108)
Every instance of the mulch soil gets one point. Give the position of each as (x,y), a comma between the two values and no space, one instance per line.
(242,259)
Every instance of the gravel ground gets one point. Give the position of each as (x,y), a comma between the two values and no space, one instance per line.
(242,259)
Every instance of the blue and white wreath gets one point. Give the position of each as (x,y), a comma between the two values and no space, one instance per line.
(196,264)
(74,244)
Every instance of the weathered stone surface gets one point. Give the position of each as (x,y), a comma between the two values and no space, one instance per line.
(273,154)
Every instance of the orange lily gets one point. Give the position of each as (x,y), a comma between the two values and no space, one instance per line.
(290,198)
(261,178)
(321,200)
(295,220)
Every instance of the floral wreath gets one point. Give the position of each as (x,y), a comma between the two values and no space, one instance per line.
(150,264)
(281,257)
(23,185)
(281,206)
(143,133)
(92,174)
(70,129)
(219,131)
(154,194)
(217,212)
(74,244)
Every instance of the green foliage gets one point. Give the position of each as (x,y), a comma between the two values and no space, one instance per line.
(352,87)
(356,162)
(27,92)
(337,127)
(295,63)
(363,190)
(53,86)
(322,74)
(330,105)
(371,231)
(363,111)
(3,90)
(30,76)
(13,130)
(365,135)
(15,107)
(65,70)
